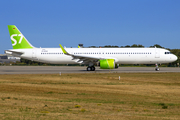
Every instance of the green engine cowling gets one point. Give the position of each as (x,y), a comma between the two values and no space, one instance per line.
(108,64)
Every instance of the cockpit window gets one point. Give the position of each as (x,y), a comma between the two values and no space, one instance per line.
(168,53)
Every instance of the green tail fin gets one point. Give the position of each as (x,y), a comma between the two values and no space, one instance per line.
(17,38)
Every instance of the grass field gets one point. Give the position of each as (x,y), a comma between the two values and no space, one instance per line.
(90,96)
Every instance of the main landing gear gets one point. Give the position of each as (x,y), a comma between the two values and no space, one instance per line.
(157,68)
(90,68)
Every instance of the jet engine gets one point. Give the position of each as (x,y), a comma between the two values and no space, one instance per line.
(108,64)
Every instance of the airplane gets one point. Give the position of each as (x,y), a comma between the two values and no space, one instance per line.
(107,58)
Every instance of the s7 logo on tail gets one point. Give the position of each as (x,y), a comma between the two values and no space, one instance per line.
(15,41)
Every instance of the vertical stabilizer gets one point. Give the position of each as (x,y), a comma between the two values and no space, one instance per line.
(17,38)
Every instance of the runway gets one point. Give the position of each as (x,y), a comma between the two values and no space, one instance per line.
(77,69)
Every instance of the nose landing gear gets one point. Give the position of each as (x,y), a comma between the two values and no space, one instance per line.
(157,68)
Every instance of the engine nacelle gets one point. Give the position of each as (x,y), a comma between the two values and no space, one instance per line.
(108,64)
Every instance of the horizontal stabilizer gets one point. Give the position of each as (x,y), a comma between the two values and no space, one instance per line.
(11,52)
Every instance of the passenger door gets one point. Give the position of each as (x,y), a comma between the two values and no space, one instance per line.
(33,53)
(157,53)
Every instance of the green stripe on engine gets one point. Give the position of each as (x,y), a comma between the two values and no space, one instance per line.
(107,64)
(111,63)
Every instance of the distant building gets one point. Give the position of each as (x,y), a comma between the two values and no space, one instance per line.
(8,58)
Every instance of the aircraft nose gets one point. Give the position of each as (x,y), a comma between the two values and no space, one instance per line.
(175,57)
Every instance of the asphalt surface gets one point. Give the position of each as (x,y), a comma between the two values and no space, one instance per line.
(77,69)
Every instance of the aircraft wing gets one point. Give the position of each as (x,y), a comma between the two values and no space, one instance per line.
(85,59)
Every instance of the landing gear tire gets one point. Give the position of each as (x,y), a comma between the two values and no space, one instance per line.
(157,69)
(88,68)
(91,68)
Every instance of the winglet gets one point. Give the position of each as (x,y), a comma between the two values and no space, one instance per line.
(64,51)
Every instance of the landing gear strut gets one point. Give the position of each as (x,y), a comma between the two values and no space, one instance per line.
(157,68)
(90,68)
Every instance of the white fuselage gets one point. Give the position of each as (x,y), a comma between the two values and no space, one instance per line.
(120,55)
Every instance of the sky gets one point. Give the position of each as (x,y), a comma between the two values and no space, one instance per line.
(49,23)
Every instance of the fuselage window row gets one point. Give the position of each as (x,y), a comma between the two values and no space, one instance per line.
(52,53)
(110,53)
